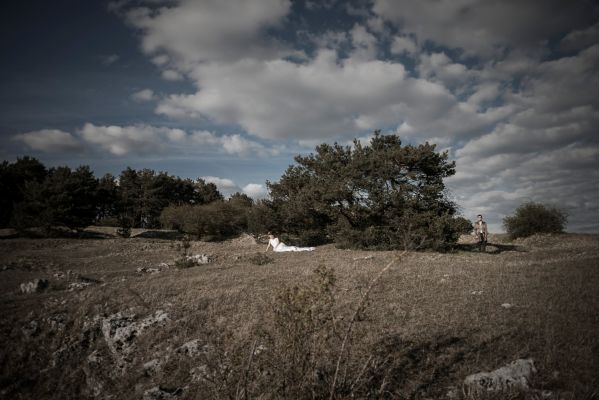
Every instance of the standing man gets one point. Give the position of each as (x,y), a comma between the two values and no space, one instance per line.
(481,232)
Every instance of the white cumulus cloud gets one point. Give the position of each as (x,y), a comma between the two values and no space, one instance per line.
(197,31)
(255,190)
(138,139)
(144,95)
(49,140)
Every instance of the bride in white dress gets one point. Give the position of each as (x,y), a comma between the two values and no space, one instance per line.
(279,246)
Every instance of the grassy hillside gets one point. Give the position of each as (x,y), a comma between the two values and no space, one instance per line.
(119,320)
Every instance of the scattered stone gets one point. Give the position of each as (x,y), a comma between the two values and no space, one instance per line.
(363,258)
(56,322)
(199,373)
(35,286)
(152,367)
(95,384)
(507,306)
(121,329)
(191,348)
(153,270)
(200,258)
(147,270)
(193,261)
(547,395)
(88,279)
(476,292)
(94,357)
(515,375)
(259,349)
(31,329)
(452,393)
(78,286)
(161,393)
(65,274)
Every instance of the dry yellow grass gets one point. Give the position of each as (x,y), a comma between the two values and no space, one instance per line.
(430,320)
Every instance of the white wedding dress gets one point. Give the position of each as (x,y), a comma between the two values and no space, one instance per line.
(279,246)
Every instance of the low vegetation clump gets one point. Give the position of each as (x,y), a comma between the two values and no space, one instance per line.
(535,218)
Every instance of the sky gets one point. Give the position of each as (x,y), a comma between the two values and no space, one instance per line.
(231,90)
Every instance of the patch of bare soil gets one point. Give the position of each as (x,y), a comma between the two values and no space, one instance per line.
(118,319)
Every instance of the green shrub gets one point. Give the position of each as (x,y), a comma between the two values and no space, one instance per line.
(125,224)
(174,217)
(531,218)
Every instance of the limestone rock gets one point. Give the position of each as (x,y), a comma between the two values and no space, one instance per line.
(121,329)
(31,329)
(152,367)
(153,270)
(161,393)
(78,286)
(515,375)
(37,285)
(147,270)
(200,258)
(191,348)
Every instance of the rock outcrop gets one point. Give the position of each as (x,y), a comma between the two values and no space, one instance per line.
(515,375)
(121,329)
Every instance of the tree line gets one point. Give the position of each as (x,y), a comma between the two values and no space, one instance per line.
(384,195)
(36,196)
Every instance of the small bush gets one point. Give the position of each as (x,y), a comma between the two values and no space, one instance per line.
(175,217)
(531,218)
(184,261)
(125,225)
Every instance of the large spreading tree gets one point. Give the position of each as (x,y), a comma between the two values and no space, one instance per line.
(384,195)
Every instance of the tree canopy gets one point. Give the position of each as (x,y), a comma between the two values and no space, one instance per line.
(381,195)
(34,196)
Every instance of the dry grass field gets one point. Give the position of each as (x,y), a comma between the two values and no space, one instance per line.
(118,320)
